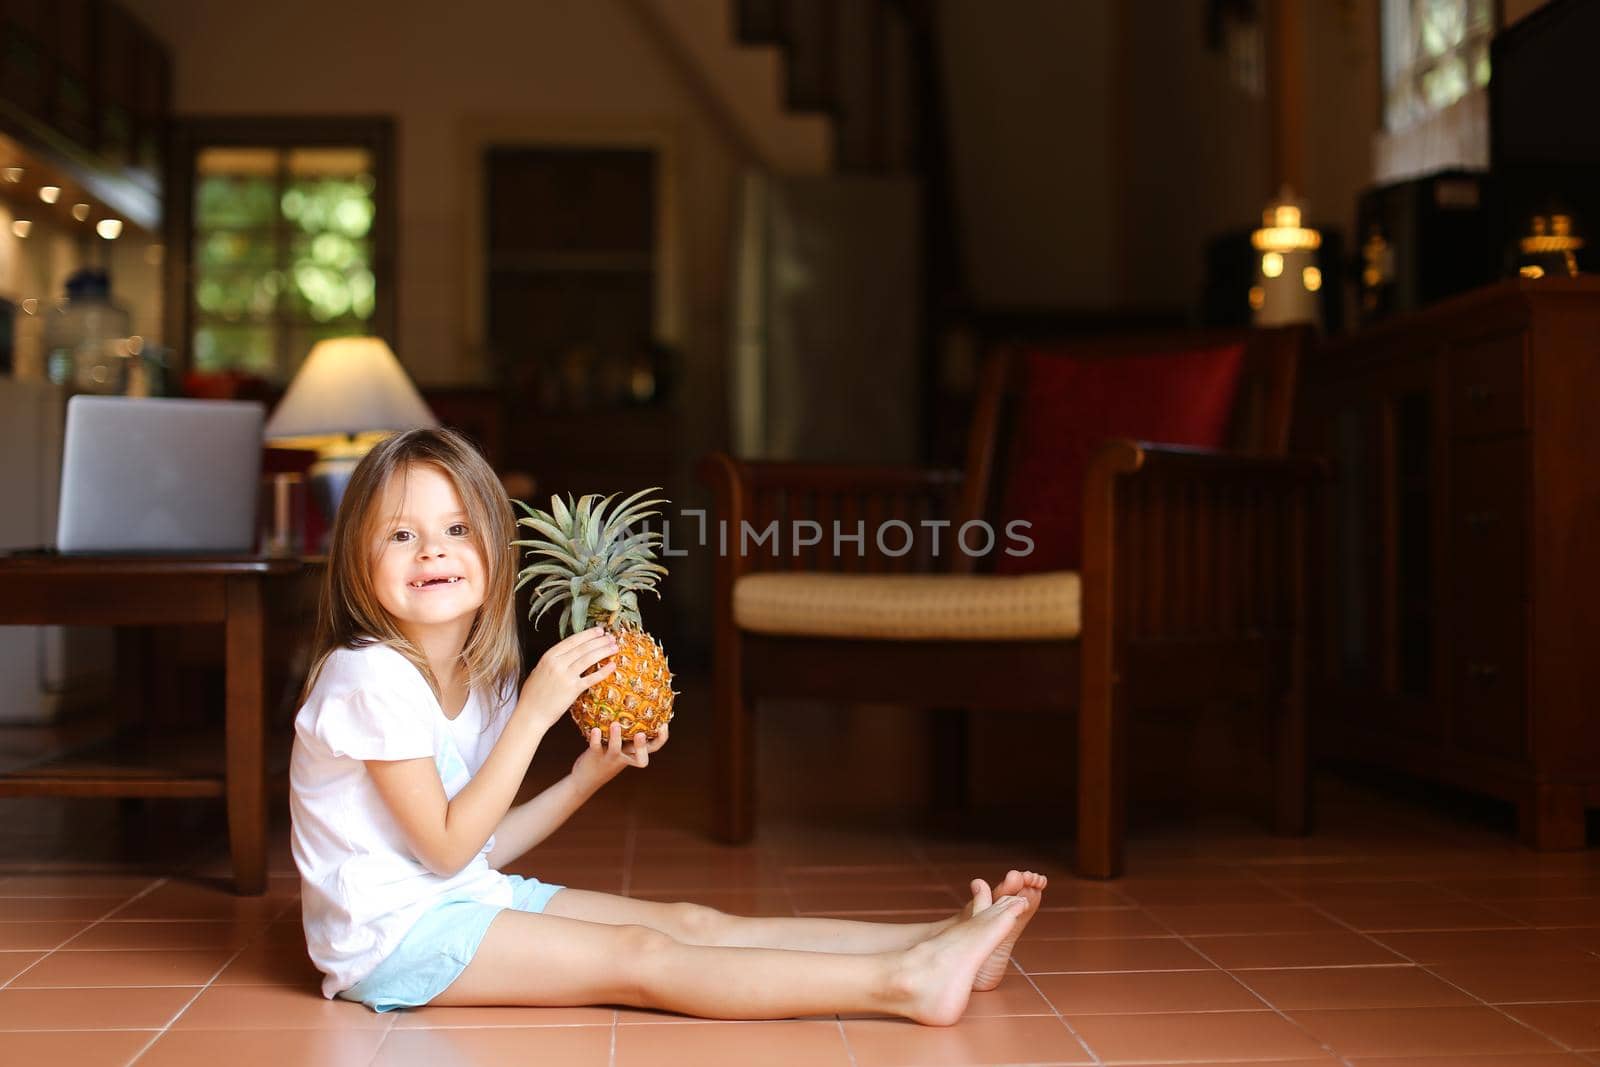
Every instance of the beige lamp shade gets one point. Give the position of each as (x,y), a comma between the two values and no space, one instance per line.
(348,385)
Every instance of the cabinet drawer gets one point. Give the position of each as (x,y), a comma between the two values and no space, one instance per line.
(1488,542)
(1489,712)
(1486,385)
(1488,536)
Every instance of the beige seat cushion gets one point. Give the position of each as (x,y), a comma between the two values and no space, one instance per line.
(910,607)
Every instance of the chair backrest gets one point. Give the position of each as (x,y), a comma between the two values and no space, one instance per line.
(1260,421)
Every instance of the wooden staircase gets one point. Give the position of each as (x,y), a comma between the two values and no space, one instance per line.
(865,64)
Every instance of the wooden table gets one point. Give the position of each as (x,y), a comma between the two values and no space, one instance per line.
(233,592)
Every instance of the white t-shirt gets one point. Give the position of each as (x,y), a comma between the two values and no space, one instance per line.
(361,886)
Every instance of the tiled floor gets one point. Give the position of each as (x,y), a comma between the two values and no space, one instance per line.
(1401,932)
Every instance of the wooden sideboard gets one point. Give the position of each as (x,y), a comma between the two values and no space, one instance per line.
(1461,637)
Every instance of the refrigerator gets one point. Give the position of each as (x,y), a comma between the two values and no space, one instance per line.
(826,319)
(44,670)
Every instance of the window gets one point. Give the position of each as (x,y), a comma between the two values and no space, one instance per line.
(1435,52)
(285,240)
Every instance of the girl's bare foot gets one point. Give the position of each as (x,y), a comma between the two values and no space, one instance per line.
(1025,884)
(934,979)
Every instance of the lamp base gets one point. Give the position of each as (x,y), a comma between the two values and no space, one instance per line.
(328,478)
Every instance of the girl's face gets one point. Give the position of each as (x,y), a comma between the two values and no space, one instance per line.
(427,570)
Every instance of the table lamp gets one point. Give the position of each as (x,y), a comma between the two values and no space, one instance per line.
(347,386)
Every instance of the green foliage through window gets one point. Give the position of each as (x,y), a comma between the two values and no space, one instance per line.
(282,253)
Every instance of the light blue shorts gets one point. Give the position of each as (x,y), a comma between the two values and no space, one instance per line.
(439,946)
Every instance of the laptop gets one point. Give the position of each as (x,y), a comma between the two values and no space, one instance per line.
(157,476)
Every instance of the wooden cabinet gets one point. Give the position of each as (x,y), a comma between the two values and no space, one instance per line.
(89,72)
(1461,636)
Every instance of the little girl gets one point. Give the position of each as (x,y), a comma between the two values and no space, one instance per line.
(410,747)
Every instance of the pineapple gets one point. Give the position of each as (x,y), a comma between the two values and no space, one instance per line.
(592,565)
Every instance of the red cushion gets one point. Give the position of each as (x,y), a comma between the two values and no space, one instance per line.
(1071,405)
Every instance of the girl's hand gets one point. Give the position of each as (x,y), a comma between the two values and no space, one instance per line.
(558,678)
(599,764)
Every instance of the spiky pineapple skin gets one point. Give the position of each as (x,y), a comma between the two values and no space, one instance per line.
(638,694)
(592,564)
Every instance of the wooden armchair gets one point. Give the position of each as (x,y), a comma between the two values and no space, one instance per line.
(1193,585)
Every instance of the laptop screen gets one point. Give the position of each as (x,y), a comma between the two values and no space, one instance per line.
(154,476)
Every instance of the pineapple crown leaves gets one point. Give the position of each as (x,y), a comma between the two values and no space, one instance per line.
(587,558)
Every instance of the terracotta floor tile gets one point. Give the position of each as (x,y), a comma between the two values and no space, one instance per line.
(1181,892)
(1029,1039)
(79,1048)
(569,1046)
(167,935)
(1300,988)
(736,872)
(1418,915)
(1276,908)
(261,1007)
(777,1043)
(1530,1059)
(1575,1025)
(1146,991)
(269,964)
(1457,1031)
(453,1017)
(1317,891)
(1188,1036)
(1504,983)
(45,935)
(1091,923)
(285,933)
(865,876)
(1509,946)
(1577,911)
(1321,1061)
(256,1048)
(1332,948)
(1107,954)
(143,967)
(57,909)
(184,900)
(1537,887)
(1260,918)
(1586,938)
(14,963)
(122,886)
(91,1009)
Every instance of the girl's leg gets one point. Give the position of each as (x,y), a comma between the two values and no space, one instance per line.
(547,960)
(698,925)
(695,924)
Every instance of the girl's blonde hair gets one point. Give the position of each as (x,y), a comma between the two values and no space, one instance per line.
(349,614)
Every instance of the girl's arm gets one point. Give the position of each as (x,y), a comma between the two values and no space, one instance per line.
(446,833)
(526,825)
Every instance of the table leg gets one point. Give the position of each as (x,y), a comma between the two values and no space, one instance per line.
(133,677)
(246,735)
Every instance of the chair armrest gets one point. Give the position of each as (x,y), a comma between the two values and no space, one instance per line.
(1185,543)
(769,512)
(1168,461)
